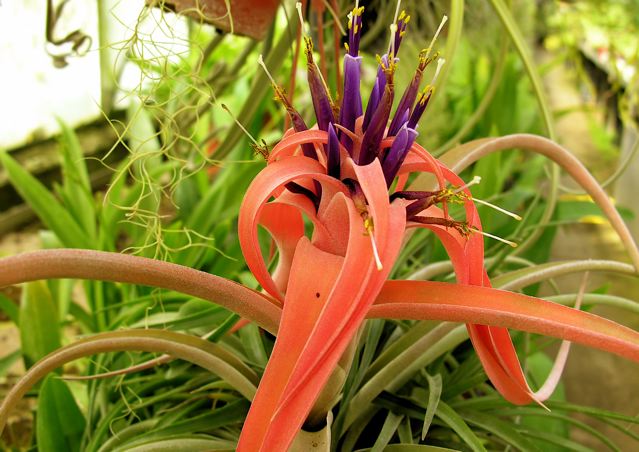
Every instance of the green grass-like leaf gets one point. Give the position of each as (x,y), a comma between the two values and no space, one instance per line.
(48,209)
(59,422)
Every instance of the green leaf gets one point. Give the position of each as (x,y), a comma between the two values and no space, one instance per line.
(455,421)
(412,448)
(192,443)
(193,314)
(583,210)
(405,432)
(522,48)
(73,158)
(434,394)
(251,338)
(219,203)
(59,421)
(76,189)
(499,428)
(388,430)
(560,442)
(48,209)
(39,327)
(9,308)
(233,413)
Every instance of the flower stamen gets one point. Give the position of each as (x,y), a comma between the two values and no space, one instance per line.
(476,180)
(259,148)
(497,208)
(439,29)
(494,237)
(368,226)
(395,30)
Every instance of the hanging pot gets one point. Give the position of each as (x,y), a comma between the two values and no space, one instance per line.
(244,17)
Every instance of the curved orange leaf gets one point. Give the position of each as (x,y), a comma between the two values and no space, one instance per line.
(432,300)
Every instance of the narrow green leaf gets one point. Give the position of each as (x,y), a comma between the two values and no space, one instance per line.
(508,21)
(73,156)
(9,308)
(76,189)
(192,443)
(455,422)
(388,430)
(59,421)
(233,413)
(556,440)
(412,448)
(251,338)
(405,432)
(221,330)
(434,394)
(528,415)
(48,209)
(82,316)
(499,428)
(39,327)
(193,314)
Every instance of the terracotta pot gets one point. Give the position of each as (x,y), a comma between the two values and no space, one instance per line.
(250,17)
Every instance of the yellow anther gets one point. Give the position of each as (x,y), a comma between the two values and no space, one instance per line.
(368,226)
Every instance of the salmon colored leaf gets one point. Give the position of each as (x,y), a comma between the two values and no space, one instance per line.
(420,300)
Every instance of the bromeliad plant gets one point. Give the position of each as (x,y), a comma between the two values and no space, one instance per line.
(349,177)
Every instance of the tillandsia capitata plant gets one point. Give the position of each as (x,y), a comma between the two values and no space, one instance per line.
(351,176)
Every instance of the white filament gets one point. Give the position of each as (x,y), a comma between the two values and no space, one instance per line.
(378,261)
(260,61)
(476,180)
(239,124)
(298,6)
(393,28)
(497,208)
(440,63)
(494,237)
(439,29)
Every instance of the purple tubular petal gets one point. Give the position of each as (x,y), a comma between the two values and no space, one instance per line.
(397,153)
(355,32)
(418,111)
(377,126)
(299,126)
(332,153)
(352,100)
(321,100)
(376,93)
(417,206)
(406,102)
(373,102)
(296,119)
(402,23)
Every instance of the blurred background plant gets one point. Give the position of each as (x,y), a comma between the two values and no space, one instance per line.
(159,165)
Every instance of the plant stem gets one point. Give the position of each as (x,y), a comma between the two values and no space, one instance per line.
(198,351)
(115,267)
(463,156)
